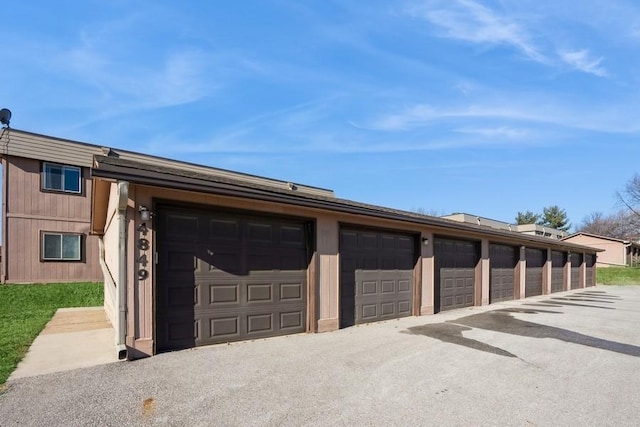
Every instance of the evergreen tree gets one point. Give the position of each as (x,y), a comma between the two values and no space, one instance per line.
(527,217)
(554,217)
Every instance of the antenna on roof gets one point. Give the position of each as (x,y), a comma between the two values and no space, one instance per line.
(5,116)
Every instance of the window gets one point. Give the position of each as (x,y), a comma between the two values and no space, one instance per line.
(61,247)
(61,178)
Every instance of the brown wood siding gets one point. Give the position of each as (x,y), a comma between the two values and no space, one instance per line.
(31,211)
(21,144)
(26,197)
(23,253)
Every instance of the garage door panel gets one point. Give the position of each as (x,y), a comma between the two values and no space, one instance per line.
(576,261)
(502,260)
(182,226)
(225,230)
(388,286)
(177,330)
(224,327)
(373,283)
(178,296)
(535,260)
(575,278)
(368,311)
(590,261)
(181,260)
(252,322)
(387,241)
(260,293)
(558,260)
(455,262)
(292,292)
(293,234)
(292,320)
(224,294)
(457,287)
(257,323)
(227,261)
(369,262)
(533,285)
(348,240)
(368,241)
(368,287)
(502,284)
(259,233)
(245,278)
(387,308)
(557,279)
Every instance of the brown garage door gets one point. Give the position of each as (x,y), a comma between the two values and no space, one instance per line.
(533,280)
(228,276)
(503,260)
(590,260)
(576,261)
(455,262)
(376,275)
(558,260)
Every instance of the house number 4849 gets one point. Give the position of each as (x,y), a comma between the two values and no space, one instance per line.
(143,246)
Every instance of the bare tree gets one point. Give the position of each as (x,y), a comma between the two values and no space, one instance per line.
(620,225)
(630,195)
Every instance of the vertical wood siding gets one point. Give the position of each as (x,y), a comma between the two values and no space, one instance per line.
(31,211)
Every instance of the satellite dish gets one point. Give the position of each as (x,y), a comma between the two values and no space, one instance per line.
(5,116)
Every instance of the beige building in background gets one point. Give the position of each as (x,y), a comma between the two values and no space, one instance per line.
(192,255)
(530,229)
(615,252)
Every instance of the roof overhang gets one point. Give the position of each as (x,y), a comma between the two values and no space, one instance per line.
(116,169)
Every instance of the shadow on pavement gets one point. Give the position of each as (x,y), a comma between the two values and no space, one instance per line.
(503,321)
(599,296)
(562,301)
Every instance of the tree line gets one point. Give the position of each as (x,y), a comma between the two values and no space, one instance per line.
(551,216)
(622,224)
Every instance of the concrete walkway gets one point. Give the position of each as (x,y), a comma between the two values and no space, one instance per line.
(73,338)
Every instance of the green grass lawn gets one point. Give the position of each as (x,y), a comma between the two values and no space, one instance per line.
(26,309)
(618,276)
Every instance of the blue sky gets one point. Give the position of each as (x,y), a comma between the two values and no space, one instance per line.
(485,107)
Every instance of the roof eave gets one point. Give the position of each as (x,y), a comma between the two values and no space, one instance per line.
(136,175)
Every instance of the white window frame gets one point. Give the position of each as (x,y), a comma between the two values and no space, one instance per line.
(62,183)
(44,257)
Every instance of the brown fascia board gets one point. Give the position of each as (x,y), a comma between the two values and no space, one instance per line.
(116,152)
(112,168)
(613,239)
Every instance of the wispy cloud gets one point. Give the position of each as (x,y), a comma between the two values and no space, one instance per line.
(582,60)
(175,79)
(470,21)
(473,22)
(504,113)
(502,132)
(421,115)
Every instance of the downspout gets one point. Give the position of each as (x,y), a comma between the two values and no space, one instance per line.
(627,249)
(123,201)
(110,284)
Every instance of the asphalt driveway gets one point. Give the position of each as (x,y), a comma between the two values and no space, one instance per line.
(567,359)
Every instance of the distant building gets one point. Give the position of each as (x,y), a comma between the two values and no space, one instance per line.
(530,229)
(617,252)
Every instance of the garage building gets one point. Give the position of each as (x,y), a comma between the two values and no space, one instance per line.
(193,255)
